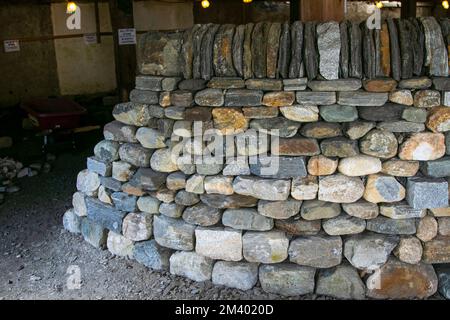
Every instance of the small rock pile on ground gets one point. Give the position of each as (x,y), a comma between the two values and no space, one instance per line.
(355,122)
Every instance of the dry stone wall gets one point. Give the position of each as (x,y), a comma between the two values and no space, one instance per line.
(301,158)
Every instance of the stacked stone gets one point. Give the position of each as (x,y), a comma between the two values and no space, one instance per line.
(360,203)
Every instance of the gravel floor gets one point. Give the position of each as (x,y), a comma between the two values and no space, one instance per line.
(35,251)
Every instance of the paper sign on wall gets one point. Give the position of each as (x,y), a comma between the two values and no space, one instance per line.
(11,45)
(127,36)
(90,38)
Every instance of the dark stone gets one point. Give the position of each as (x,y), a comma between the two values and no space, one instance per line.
(148,180)
(377,42)
(223,57)
(124,202)
(310,50)
(238,50)
(278,167)
(197,50)
(284,57)
(156,111)
(247,57)
(386,225)
(362,98)
(273,45)
(388,112)
(264,84)
(202,215)
(149,83)
(104,215)
(286,128)
(441,84)
(395,50)
(152,255)
(355,64)
(443,273)
(368,52)
(198,114)
(339,147)
(243,97)
(159,53)
(191,85)
(259,49)
(335,85)
(296,65)
(404,33)
(187,51)
(111,183)
(226,83)
(345,54)
(182,98)
(207,68)
(417,39)
(94,233)
(233,201)
(436,50)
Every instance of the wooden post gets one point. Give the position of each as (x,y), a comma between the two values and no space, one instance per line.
(408,9)
(322,10)
(121,12)
(97,22)
(295,10)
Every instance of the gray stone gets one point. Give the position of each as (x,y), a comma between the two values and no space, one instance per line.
(278,167)
(246,219)
(173,233)
(436,50)
(210,98)
(124,202)
(98,166)
(341,282)
(391,226)
(72,221)
(238,275)
(150,138)
(339,147)
(335,85)
(171,210)
(191,265)
(238,50)
(243,97)
(135,154)
(202,215)
(329,47)
(156,111)
(310,50)
(439,168)
(219,243)
(316,251)
(441,83)
(265,247)
(149,83)
(192,84)
(401,126)
(338,113)
(148,179)
(316,210)
(362,98)
(170,83)
(315,98)
(119,246)
(443,273)
(415,115)
(295,84)
(415,83)
(279,126)
(260,112)
(279,209)
(207,50)
(265,189)
(361,209)
(394,45)
(94,233)
(143,97)
(148,204)
(379,143)
(369,251)
(162,161)
(233,201)
(152,255)
(236,168)
(358,129)
(226,83)
(296,44)
(287,279)
(175,113)
(197,52)
(388,112)
(426,193)
(344,224)
(185,198)
(284,55)
(105,215)
(107,150)
(355,65)
(259,49)
(182,98)
(117,131)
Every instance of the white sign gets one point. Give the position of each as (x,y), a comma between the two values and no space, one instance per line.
(127,36)
(90,38)
(11,45)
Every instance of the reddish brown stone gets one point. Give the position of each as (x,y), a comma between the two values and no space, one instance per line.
(380,85)
(439,119)
(278,98)
(260,112)
(322,166)
(385,50)
(197,114)
(437,250)
(229,120)
(296,147)
(298,227)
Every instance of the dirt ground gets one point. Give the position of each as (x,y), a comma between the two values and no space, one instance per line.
(36,252)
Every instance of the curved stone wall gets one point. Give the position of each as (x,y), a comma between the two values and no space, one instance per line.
(301,158)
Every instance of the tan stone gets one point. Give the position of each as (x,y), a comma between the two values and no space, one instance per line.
(137,226)
(304,188)
(439,119)
(340,189)
(130,188)
(437,250)
(359,166)
(379,85)
(427,228)
(441,212)
(104,196)
(229,120)
(400,280)
(385,50)
(400,168)
(322,166)
(427,98)
(380,188)
(401,97)
(164,99)
(423,146)
(219,185)
(361,209)
(444,226)
(278,98)
(409,250)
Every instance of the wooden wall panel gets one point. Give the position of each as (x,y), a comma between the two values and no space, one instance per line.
(322,10)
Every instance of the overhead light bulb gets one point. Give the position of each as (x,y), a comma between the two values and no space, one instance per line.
(379,4)
(445,4)
(247,1)
(205,4)
(71,7)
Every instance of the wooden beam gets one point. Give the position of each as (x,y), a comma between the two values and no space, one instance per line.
(322,10)
(121,12)
(408,9)
(97,22)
